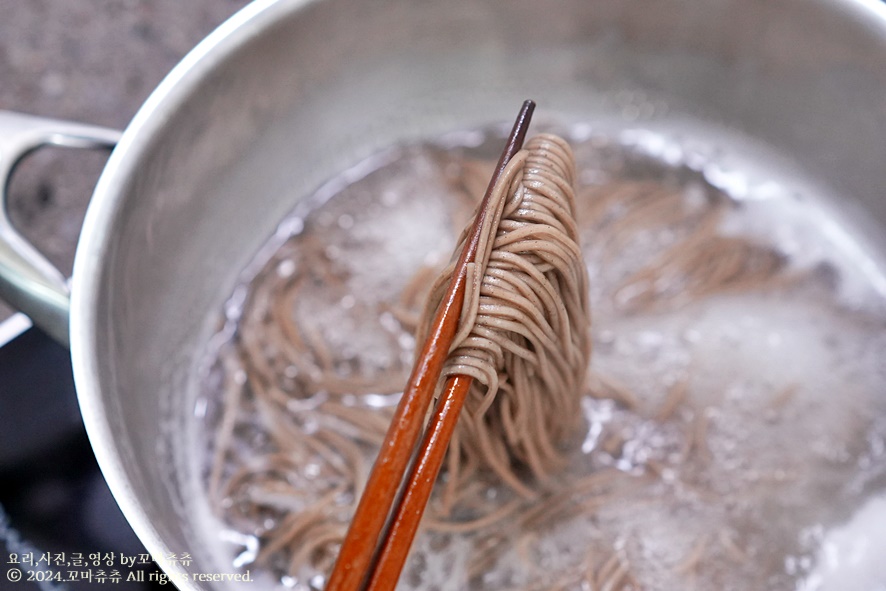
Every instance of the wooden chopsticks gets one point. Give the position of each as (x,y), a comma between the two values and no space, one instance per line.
(365,538)
(406,517)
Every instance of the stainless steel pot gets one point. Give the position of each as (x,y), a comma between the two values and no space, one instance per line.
(288,92)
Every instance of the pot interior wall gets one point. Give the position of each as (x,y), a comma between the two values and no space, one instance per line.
(298,92)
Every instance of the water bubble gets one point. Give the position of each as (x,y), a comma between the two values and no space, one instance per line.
(249,543)
(291,226)
(200,407)
(346,221)
(286,268)
(347,302)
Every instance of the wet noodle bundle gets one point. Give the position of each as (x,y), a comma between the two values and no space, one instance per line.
(524,332)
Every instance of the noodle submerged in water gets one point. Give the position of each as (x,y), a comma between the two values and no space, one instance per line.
(671,461)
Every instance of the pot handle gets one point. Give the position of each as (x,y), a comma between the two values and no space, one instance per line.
(28,281)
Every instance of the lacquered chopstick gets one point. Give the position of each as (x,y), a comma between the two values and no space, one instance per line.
(407,516)
(352,569)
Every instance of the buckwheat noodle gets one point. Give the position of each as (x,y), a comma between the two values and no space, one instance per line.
(524,333)
(294,434)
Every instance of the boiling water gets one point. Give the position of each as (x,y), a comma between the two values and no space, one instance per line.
(734,439)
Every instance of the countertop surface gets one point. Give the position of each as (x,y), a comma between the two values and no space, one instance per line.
(91,61)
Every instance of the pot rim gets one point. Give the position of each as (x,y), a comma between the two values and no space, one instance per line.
(96,239)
